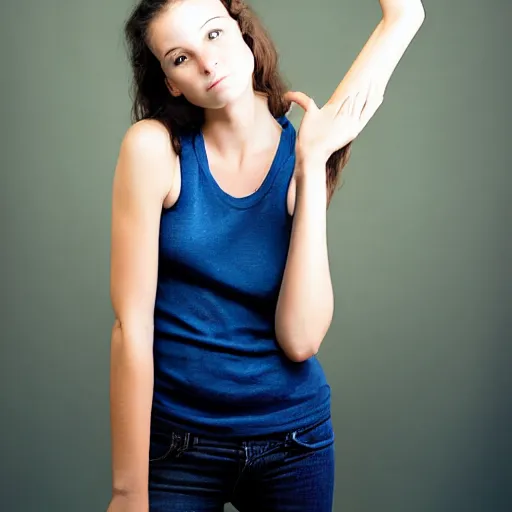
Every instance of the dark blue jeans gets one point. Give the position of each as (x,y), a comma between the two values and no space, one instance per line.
(282,473)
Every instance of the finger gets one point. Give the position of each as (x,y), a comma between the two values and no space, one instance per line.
(344,105)
(359,103)
(338,97)
(351,105)
(373,102)
(301,99)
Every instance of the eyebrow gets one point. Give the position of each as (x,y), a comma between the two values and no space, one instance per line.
(207,21)
(214,18)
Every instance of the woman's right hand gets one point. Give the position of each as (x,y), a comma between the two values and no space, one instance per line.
(128,503)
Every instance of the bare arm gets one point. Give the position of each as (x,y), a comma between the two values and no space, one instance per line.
(142,178)
(306,304)
(379,57)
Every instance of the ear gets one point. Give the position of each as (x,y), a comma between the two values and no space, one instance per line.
(172,89)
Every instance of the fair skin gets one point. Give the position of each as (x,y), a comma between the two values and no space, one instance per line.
(241,137)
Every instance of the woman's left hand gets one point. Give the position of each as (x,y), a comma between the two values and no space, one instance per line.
(325,130)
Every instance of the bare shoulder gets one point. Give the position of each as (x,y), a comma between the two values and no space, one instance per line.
(146,154)
(149,131)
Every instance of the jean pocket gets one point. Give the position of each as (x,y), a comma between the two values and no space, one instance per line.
(161,445)
(164,444)
(314,437)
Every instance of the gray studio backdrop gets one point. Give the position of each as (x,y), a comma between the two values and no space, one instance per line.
(419,354)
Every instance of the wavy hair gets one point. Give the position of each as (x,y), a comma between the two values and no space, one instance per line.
(152,100)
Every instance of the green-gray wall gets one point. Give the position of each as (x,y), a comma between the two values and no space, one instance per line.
(419,353)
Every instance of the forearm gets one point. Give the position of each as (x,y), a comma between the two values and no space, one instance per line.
(386,45)
(306,303)
(131,393)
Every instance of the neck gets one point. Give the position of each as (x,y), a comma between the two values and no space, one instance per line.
(241,127)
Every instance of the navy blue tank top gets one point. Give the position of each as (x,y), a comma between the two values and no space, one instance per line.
(219,370)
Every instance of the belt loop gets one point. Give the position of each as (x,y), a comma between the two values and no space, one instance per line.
(183,443)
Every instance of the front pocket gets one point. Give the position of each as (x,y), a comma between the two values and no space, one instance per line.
(315,437)
(161,445)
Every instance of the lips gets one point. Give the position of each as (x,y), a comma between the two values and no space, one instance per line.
(216,82)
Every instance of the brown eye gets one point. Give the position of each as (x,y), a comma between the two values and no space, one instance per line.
(218,32)
(177,61)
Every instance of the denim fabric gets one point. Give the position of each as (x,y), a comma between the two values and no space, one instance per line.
(283,473)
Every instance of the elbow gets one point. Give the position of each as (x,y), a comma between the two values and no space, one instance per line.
(133,331)
(300,357)
(300,336)
(420,10)
(417,15)
(413,13)
(299,347)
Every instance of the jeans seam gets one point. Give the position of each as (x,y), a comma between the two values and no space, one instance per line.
(246,465)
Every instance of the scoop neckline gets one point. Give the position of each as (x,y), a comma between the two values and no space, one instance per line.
(255,197)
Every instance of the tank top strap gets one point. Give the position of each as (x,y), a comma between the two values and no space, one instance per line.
(197,177)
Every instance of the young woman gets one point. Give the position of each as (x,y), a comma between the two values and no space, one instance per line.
(219,274)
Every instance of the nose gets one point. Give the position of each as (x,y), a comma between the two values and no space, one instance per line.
(208,64)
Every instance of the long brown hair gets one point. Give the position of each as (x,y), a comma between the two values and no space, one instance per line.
(152,100)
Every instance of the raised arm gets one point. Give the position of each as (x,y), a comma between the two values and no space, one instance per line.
(142,179)
(306,301)
(371,71)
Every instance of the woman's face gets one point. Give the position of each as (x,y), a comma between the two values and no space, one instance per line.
(202,52)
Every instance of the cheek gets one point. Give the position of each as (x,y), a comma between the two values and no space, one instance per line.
(186,81)
(244,61)
(250,60)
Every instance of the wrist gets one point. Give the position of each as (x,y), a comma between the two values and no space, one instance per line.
(140,492)
(307,161)
(309,168)
(311,185)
